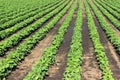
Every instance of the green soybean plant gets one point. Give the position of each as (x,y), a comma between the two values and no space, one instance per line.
(41,67)
(14,57)
(99,49)
(74,60)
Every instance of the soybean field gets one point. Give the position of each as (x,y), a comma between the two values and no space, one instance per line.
(59,39)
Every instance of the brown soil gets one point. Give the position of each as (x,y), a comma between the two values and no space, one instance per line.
(25,66)
(109,22)
(113,57)
(90,68)
(56,71)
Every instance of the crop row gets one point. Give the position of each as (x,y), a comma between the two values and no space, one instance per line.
(74,60)
(111,34)
(14,57)
(110,10)
(41,67)
(114,3)
(12,16)
(10,12)
(16,38)
(5,33)
(21,18)
(19,14)
(111,6)
(99,49)
(109,16)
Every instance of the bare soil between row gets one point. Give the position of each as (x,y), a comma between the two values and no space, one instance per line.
(90,68)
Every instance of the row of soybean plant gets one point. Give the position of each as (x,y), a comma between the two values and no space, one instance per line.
(108,15)
(110,32)
(22,7)
(110,10)
(99,49)
(14,57)
(5,33)
(12,21)
(16,38)
(41,67)
(111,6)
(11,16)
(113,3)
(74,61)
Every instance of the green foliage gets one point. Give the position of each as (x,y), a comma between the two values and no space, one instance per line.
(41,68)
(114,20)
(13,21)
(110,32)
(75,54)
(16,38)
(9,8)
(112,4)
(11,61)
(99,50)
(5,33)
